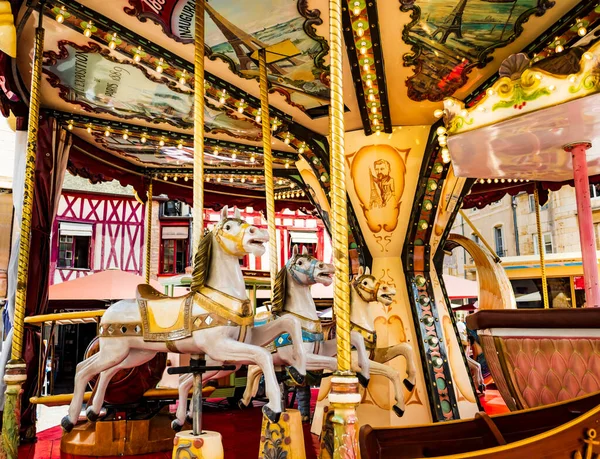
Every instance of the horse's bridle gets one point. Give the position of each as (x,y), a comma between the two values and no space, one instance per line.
(308,272)
(360,288)
(237,240)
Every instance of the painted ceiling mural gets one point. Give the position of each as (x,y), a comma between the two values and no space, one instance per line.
(233,32)
(451,37)
(90,77)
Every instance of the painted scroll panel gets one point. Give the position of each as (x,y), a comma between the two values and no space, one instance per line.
(235,28)
(90,77)
(381,179)
(451,38)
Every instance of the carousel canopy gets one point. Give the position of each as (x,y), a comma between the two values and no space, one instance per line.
(119,76)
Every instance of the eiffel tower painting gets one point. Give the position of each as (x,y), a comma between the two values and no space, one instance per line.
(243,43)
(453,23)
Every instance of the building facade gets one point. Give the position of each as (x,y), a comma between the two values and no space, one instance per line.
(510,228)
(102,226)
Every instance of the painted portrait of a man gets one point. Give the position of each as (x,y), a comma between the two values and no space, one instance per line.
(382,185)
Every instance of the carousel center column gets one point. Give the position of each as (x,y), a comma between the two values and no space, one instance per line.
(344,396)
(15,369)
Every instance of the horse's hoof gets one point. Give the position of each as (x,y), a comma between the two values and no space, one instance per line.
(91,415)
(409,386)
(242,405)
(271,415)
(362,380)
(295,375)
(66,424)
(176,426)
(189,420)
(399,411)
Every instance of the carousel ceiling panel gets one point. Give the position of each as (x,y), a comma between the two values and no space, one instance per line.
(235,28)
(437,48)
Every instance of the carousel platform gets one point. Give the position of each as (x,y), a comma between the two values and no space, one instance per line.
(240,431)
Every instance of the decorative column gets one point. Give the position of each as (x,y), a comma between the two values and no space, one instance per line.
(268,164)
(148,256)
(198,126)
(586,225)
(15,369)
(344,396)
(540,242)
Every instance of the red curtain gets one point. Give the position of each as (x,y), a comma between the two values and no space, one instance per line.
(52,151)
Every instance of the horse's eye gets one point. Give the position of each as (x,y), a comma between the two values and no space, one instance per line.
(365,283)
(299,263)
(227,227)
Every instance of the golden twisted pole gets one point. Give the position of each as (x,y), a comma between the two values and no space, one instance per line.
(268,162)
(198,125)
(540,242)
(339,221)
(15,369)
(148,232)
(344,396)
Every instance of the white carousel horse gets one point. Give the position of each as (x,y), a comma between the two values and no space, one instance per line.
(322,353)
(367,289)
(291,298)
(215,319)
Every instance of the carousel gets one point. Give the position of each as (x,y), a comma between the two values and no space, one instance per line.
(273,105)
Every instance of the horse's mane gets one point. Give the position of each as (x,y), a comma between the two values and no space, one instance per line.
(202,262)
(279,292)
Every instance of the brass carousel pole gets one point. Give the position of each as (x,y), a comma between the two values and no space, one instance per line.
(268,163)
(148,232)
(344,396)
(540,243)
(15,368)
(198,126)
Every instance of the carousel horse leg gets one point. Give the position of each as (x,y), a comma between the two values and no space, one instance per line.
(185,384)
(135,358)
(265,334)
(383,355)
(358,342)
(252,382)
(329,348)
(229,349)
(379,369)
(107,357)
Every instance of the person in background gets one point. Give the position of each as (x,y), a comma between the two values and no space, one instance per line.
(474,366)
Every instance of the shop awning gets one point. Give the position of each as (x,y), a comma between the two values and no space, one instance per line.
(459,288)
(303,237)
(75,229)
(109,285)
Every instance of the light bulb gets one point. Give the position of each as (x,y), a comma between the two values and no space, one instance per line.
(438,113)
(185,179)
(373,110)
(159,68)
(360,31)
(60,18)
(257,118)
(175,178)
(87,32)
(243,179)
(233,155)
(287,165)
(125,136)
(559,48)
(230,179)
(252,159)
(180,146)
(107,133)
(366,67)
(441,130)
(292,185)
(161,142)
(287,140)
(356,11)
(219,179)
(254,180)
(70,126)
(166,177)
(143,139)
(89,129)
(582,31)
(363,50)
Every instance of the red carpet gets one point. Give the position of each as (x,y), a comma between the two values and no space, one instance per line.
(240,431)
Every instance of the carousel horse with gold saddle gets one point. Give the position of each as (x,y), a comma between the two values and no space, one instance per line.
(215,319)
(292,296)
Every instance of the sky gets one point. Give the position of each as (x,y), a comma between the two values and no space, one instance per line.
(7,153)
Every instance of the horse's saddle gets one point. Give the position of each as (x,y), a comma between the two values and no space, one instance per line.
(164,318)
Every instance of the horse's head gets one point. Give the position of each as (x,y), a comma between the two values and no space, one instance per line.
(370,289)
(307,270)
(237,237)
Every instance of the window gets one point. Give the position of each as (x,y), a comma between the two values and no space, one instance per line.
(532,204)
(475,238)
(304,239)
(499,239)
(595,190)
(546,240)
(174,249)
(175,209)
(74,245)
